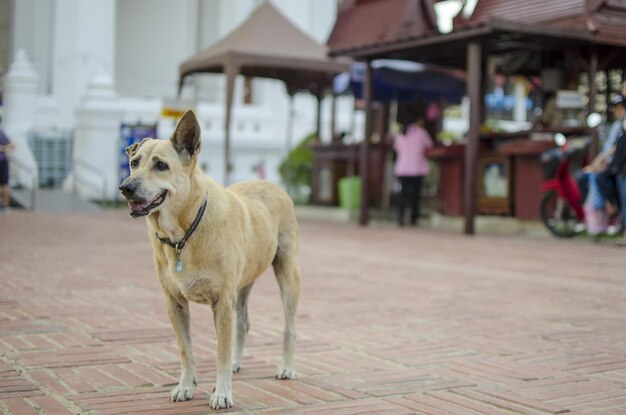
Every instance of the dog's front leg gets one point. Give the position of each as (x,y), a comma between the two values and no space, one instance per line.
(223,317)
(178,311)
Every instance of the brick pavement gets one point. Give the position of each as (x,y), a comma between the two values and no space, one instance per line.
(392,321)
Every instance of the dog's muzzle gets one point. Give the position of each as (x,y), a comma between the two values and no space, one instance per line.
(139,206)
(128,189)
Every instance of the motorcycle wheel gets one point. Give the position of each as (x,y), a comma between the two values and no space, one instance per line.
(558,216)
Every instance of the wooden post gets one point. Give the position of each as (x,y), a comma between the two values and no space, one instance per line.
(383,128)
(333,116)
(365,146)
(385,178)
(231,74)
(290,115)
(318,121)
(474,78)
(593,92)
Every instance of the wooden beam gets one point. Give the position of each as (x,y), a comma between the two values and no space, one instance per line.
(609,58)
(593,92)
(490,29)
(365,146)
(474,80)
(582,61)
(593,70)
(377,51)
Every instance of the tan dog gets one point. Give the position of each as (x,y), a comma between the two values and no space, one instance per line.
(241,232)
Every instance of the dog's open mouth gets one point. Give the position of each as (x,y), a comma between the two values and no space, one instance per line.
(138,209)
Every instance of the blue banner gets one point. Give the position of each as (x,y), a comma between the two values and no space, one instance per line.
(129,135)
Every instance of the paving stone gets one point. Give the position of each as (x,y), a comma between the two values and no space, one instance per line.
(390,321)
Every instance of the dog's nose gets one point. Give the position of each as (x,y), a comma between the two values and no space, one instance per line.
(128,189)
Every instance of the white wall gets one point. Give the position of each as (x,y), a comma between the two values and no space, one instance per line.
(32,30)
(6,15)
(152,38)
(83,42)
(316,18)
(141,43)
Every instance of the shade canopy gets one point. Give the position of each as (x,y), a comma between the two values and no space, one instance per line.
(403,80)
(266,45)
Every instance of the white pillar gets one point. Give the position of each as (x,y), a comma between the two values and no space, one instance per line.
(84,43)
(96,141)
(519,110)
(20,96)
(32,29)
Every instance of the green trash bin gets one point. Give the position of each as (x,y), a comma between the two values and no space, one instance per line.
(350,193)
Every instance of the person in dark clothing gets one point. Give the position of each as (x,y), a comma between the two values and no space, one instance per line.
(618,167)
(5,147)
(603,176)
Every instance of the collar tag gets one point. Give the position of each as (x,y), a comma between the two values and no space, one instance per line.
(179,265)
(180,245)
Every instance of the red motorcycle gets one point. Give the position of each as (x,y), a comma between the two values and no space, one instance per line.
(561,204)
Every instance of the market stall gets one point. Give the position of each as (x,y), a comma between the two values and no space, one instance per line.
(555,42)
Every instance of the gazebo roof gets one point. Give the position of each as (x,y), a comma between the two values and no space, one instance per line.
(268,45)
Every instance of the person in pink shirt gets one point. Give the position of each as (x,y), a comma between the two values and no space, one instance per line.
(411,166)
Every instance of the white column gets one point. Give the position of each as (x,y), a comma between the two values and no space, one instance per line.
(20,96)
(96,141)
(32,30)
(84,39)
(519,110)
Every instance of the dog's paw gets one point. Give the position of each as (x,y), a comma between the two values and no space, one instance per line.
(286,373)
(221,401)
(236,367)
(182,392)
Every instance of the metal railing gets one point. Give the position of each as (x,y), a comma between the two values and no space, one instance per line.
(76,163)
(31,173)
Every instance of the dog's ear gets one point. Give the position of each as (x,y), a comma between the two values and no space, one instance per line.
(132,149)
(186,138)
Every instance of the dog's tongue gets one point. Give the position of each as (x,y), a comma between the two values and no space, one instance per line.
(137,207)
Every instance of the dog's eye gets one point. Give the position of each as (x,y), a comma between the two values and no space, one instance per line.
(134,164)
(160,166)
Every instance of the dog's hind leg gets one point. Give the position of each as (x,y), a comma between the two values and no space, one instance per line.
(178,311)
(241,308)
(288,277)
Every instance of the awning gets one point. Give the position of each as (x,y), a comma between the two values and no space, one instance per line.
(403,80)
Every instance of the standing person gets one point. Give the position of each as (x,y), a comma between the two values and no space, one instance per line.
(5,147)
(618,167)
(605,179)
(411,166)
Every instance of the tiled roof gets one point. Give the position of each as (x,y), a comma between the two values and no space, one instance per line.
(524,11)
(366,22)
(605,18)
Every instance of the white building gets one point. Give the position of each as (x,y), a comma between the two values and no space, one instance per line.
(98,63)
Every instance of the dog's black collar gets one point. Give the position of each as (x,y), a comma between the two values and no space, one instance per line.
(180,245)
